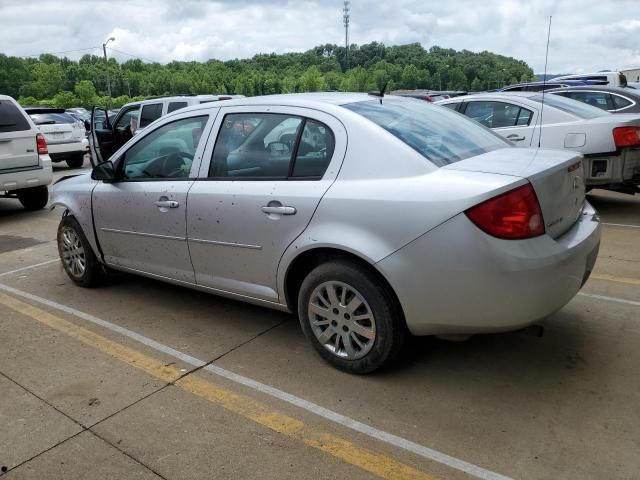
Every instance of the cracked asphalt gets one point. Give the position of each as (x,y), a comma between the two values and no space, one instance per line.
(162,388)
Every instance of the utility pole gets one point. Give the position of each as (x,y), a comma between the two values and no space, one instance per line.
(345,20)
(106,66)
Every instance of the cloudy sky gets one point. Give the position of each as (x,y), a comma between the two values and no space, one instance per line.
(586,35)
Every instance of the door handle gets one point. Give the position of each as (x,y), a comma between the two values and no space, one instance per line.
(514,137)
(167,204)
(279,210)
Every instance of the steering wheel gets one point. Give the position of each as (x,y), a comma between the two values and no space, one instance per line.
(170,164)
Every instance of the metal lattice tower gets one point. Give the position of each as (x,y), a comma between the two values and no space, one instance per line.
(345,19)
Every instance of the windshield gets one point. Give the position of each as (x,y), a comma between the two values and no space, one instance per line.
(439,134)
(568,105)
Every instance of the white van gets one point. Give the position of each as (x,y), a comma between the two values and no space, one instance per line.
(613,79)
(132,118)
(25,165)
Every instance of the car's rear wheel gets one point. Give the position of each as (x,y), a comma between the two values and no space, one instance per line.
(78,259)
(350,317)
(76,161)
(33,198)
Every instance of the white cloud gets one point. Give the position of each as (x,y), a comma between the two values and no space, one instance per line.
(586,34)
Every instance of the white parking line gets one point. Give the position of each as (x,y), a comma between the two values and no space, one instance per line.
(389,438)
(29,267)
(610,299)
(620,225)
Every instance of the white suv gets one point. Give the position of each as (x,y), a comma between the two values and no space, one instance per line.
(132,118)
(25,166)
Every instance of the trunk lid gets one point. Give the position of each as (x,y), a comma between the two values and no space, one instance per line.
(57,133)
(557,176)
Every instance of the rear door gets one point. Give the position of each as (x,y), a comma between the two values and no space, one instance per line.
(260,183)
(17,138)
(513,122)
(102,143)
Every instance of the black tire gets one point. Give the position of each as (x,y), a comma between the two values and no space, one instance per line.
(34,198)
(76,161)
(93,273)
(389,326)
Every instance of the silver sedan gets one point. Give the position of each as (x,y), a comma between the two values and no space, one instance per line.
(371,217)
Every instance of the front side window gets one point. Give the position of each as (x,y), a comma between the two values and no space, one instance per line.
(150,113)
(166,153)
(498,114)
(270,145)
(438,134)
(125,120)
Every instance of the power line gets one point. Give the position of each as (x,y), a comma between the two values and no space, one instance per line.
(132,55)
(58,53)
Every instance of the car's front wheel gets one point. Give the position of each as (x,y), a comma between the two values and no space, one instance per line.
(76,161)
(77,257)
(350,317)
(33,198)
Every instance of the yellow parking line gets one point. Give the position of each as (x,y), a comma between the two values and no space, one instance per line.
(611,278)
(368,460)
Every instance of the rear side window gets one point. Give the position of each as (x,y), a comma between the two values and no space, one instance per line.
(620,102)
(601,100)
(150,113)
(173,106)
(438,134)
(258,146)
(11,118)
(498,114)
(579,109)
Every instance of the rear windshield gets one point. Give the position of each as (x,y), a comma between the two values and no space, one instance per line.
(11,118)
(439,134)
(568,105)
(52,118)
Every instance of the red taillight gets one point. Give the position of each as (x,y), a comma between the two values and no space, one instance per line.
(513,215)
(626,137)
(41,143)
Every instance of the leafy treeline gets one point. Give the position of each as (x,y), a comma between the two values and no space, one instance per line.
(62,82)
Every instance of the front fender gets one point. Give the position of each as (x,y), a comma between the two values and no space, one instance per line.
(73,196)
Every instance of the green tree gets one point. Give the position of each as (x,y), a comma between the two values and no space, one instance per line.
(65,99)
(86,93)
(312,80)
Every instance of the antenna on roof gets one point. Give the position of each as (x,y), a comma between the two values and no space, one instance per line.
(380,94)
(544,80)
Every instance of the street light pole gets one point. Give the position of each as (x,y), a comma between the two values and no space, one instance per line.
(106,66)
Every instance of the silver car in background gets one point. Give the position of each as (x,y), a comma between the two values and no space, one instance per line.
(372,218)
(610,143)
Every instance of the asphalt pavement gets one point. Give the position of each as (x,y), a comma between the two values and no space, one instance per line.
(141,379)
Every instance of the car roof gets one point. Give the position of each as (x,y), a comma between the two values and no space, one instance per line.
(318,100)
(600,88)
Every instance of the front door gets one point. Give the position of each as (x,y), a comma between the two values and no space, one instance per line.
(268,171)
(140,219)
(101,141)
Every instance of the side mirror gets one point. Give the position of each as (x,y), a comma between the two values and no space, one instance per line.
(104,172)
(87,125)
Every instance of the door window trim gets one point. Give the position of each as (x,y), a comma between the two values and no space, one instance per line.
(292,160)
(197,157)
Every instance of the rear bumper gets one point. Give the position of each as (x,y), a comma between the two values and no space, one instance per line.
(57,150)
(612,170)
(458,280)
(32,177)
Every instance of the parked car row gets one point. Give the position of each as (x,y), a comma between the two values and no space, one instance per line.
(568,120)
(292,202)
